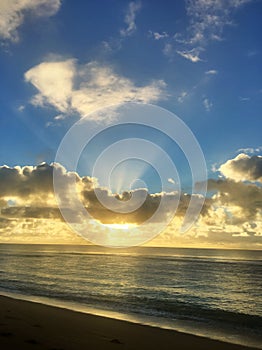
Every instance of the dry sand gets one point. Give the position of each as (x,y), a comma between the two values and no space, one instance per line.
(28,325)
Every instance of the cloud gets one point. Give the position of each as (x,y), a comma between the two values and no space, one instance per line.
(211,72)
(21,108)
(168,50)
(191,55)
(236,206)
(54,81)
(27,198)
(159,36)
(250,150)
(182,96)
(226,221)
(243,168)
(82,89)
(207,21)
(231,215)
(149,204)
(244,99)
(114,43)
(37,230)
(13,12)
(170,180)
(207,104)
(34,184)
(244,201)
(31,212)
(130,18)
(208,18)
(28,192)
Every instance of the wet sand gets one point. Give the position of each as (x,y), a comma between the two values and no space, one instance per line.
(28,325)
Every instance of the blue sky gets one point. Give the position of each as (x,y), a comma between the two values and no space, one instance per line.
(218,107)
(199,59)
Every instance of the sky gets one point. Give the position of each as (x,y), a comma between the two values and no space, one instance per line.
(62,60)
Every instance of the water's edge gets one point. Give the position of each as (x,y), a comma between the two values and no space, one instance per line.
(187,327)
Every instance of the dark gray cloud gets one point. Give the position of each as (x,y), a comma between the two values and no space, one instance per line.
(27,192)
(148,206)
(31,212)
(246,196)
(28,204)
(37,181)
(26,181)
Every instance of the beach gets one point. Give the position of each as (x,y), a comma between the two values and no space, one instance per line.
(30,325)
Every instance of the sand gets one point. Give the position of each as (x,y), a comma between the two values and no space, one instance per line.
(28,325)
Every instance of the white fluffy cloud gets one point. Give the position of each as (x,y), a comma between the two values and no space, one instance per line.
(82,89)
(13,12)
(54,81)
(243,168)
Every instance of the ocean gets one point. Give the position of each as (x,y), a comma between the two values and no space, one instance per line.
(215,293)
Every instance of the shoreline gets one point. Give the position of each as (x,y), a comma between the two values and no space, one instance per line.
(196,328)
(25,323)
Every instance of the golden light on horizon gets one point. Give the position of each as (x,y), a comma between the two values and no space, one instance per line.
(124,226)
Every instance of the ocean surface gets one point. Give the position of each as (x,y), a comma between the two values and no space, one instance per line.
(216,293)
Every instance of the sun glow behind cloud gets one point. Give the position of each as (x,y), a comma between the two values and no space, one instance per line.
(230,218)
(125,226)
